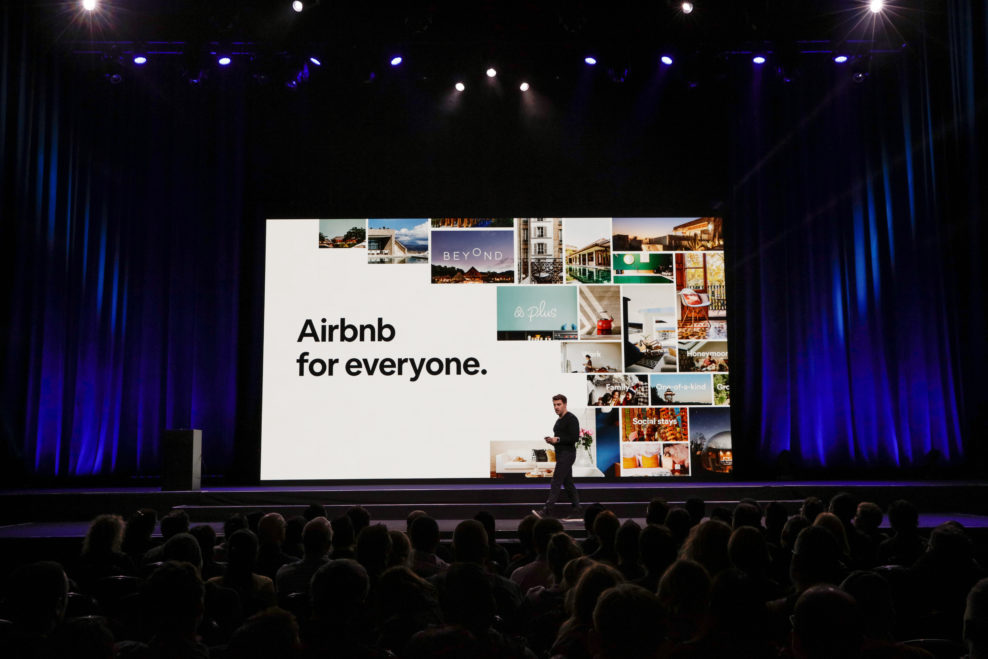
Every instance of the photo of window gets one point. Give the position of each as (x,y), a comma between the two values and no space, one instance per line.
(643,268)
(702,292)
(588,250)
(540,250)
(649,314)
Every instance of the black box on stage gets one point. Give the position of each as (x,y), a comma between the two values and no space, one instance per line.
(181,460)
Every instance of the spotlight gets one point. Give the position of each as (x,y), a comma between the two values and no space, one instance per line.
(840,59)
(491,72)
(89,5)
(396,60)
(298,6)
(687,7)
(460,86)
(315,60)
(758,59)
(859,76)
(666,59)
(876,6)
(590,60)
(524,87)
(140,60)
(223,60)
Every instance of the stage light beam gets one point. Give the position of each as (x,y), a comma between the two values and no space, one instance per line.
(316,61)
(524,87)
(223,60)
(590,60)
(687,8)
(491,72)
(89,5)
(666,59)
(298,6)
(840,59)
(396,60)
(460,86)
(758,59)
(876,6)
(140,60)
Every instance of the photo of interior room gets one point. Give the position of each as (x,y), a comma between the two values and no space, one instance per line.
(650,321)
(584,357)
(702,295)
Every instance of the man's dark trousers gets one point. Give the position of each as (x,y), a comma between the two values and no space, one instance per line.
(563,475)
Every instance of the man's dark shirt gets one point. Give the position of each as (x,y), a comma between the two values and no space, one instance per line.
(567,429)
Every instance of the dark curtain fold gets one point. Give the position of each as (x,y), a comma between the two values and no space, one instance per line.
(122,209)
(858,285)
(132,243)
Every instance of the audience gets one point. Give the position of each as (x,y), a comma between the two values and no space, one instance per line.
(738,589)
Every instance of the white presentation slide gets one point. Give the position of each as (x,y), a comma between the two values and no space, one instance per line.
(431,349)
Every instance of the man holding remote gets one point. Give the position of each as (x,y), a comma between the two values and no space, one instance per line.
(565,434)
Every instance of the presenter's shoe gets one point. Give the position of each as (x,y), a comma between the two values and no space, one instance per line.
(541,512)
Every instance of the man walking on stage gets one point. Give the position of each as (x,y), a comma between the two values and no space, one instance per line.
(565,433)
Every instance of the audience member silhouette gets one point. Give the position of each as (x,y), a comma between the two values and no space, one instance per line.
(338,625)
(293,536)
(707,545)
(294,577)
(628,608)
(657,549)
(174,602)
(812,506)
(205,535)
(526,539)
(374,550)
(256,591)
(35,602)
(270,538)
(543,609)
(975,623)
(697,510)
(176,521)
(605,528)
(574,638)
(101,555)
(538,572)
(626,547)
(405,605)
(360,517)
(424,534)
(590,542)
(270,634)
(679,523)
(906,545)
(826,624)
(657,510)
(401,549)
(684,593)
(344,538)
(497,556)
(231,525)
(137,534)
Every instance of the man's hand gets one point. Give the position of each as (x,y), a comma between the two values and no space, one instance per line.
(551,440)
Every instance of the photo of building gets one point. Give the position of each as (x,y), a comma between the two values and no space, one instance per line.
(336,234)
(540,250)
(398,241)
(588,249)
(668,234)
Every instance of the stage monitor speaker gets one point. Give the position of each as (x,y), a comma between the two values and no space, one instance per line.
(181,460)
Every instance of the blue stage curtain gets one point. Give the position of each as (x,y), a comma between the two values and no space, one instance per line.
(858,285)
(122,210)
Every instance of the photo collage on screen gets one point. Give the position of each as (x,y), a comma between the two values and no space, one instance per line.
(637,305)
